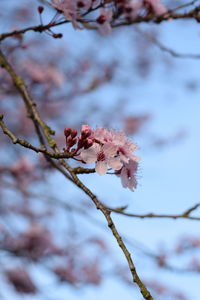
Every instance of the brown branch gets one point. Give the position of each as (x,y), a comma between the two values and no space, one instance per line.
(184,215)
(41,28)
(164,48)
(37,28)
(26,144)
(183,6)
(144,291)
(31,108)
(169,15)
(80,170)
(90,217)
(30,105)
(47,154)
(36,119)
(191,209)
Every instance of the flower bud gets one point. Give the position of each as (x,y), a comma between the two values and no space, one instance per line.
(101,19)
(73,142)
(88,143)
(80,142)
(86,131)
(57,35)
(73,133)
(40,9)
(67,131)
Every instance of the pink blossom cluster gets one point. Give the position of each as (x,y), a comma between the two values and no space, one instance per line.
(110,11)
(73,9)
(132,9)
(107,149)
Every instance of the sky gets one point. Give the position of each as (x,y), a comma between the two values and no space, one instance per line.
(168,176)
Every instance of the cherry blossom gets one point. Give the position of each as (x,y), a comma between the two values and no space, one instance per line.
(125,147)
(69,9)
(132,8)
(102,134)
(75,10)
(104,21)
(72,9)
(127,175)
(21,281)
(155,6)
(102,155)
(106,148)
(86,130)
(118,138)
(23,165)
(43,74)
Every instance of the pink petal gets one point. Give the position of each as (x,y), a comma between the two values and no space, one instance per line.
(134,158)
(132,183)
(109,149)
(123,158)
(89,155)
(133,165)
(124,178)
(114,163)
(101,167)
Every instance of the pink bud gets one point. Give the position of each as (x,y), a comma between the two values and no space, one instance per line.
(67,131)
(86,131)
(88,143)
(73,142)
(73,133)
(80,142)
(101,19)
(70,142)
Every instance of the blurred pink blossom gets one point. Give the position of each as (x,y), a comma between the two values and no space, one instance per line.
(21,280)
(72,9)
(155,6)
(104,21)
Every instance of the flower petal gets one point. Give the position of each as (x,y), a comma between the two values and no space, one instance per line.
(109,149)
(89,155)
(123,158)
(124,177)
(114,163)
(101,167)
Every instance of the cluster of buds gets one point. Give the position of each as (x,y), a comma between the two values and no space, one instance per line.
(71,139)
(84,141)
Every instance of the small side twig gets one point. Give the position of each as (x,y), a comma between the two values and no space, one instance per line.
(164,48)
(184,215)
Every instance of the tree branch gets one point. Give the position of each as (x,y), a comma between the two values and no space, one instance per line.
(184,215)
(31,108)
(169,15)
(30,105)
(164,48)
(144,291)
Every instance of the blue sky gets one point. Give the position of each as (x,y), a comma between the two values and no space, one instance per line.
(168,176)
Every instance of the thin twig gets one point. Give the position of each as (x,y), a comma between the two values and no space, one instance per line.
(184,215)
(164,48)
(168,15)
